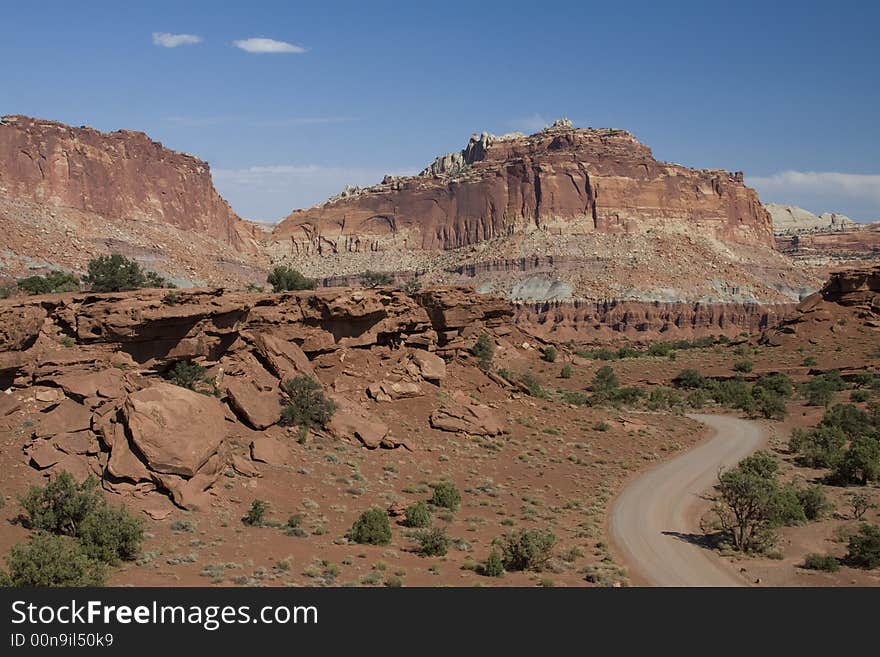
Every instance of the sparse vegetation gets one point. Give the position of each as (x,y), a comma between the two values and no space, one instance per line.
(116,273)
(417,515)
(484,351)
(433,542)
(751,503)
(307,405)
(566,372)
(372,528)
(286,279)
(446,496)
(373,279)
(824,562)
(528,549)
(550,354)
(864,548)
(53,282)
(256,515)
(494,565)
(187,374)
(46,560)
(77,534)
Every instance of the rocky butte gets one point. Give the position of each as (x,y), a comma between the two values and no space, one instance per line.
(562,180)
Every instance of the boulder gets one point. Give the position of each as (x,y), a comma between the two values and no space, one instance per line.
(74,464)
(44,455)
(430,366)
(269,450)
(81,442)
(464,414)
(389,390)
(106,383)
(68,416)
(8,404)
(256,406)
(285,359)
(177,430)
(351,421)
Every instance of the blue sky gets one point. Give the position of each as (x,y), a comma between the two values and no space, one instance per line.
(344,92)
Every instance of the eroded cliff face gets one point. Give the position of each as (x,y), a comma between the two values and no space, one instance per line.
(119,175)
(561,180)
(645,321)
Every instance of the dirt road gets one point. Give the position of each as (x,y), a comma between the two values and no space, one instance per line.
(655,520)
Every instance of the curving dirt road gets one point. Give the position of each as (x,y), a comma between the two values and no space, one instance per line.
(654,521)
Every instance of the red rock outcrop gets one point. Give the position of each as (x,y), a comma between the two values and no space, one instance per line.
(642,320)
(118,175)
(847,308)
(562,180)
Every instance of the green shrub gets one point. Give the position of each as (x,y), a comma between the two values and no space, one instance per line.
(859,504)
(529,549)
(412,287)
(604,381)
(567,371)
(111,535)
(550,354)
(751,503)
(186,374)
(116,273)
(61,506)
(283,279)
(433,542)
(256,515)
(824,562)
(810,361)
(627,396)
(821,447)
(744,366)
(814,502)
(664,349)
(493,566)
(484,351)
(864,547)
(850,419)
(689,378)
(307,406)
(859,396)
(446,495)
(372,528)
(628,352)
(777,382)
(375,279)
(819,391)
(53,282)
(599,354)
(417,515)
(533,385)
(49,560)
(860,463)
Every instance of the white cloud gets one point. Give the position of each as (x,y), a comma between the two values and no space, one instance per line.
(531,124)
(168,40)
(272,192)
(854,194)
(261,45)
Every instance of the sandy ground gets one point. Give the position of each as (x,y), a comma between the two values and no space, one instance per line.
(654,521)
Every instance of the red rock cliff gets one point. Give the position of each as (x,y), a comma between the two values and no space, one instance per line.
(118,175)
(562,180)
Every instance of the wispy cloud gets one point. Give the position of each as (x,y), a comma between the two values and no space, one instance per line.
(857,194)
(272,192)
(168,40)
(533,123)
(262,45)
